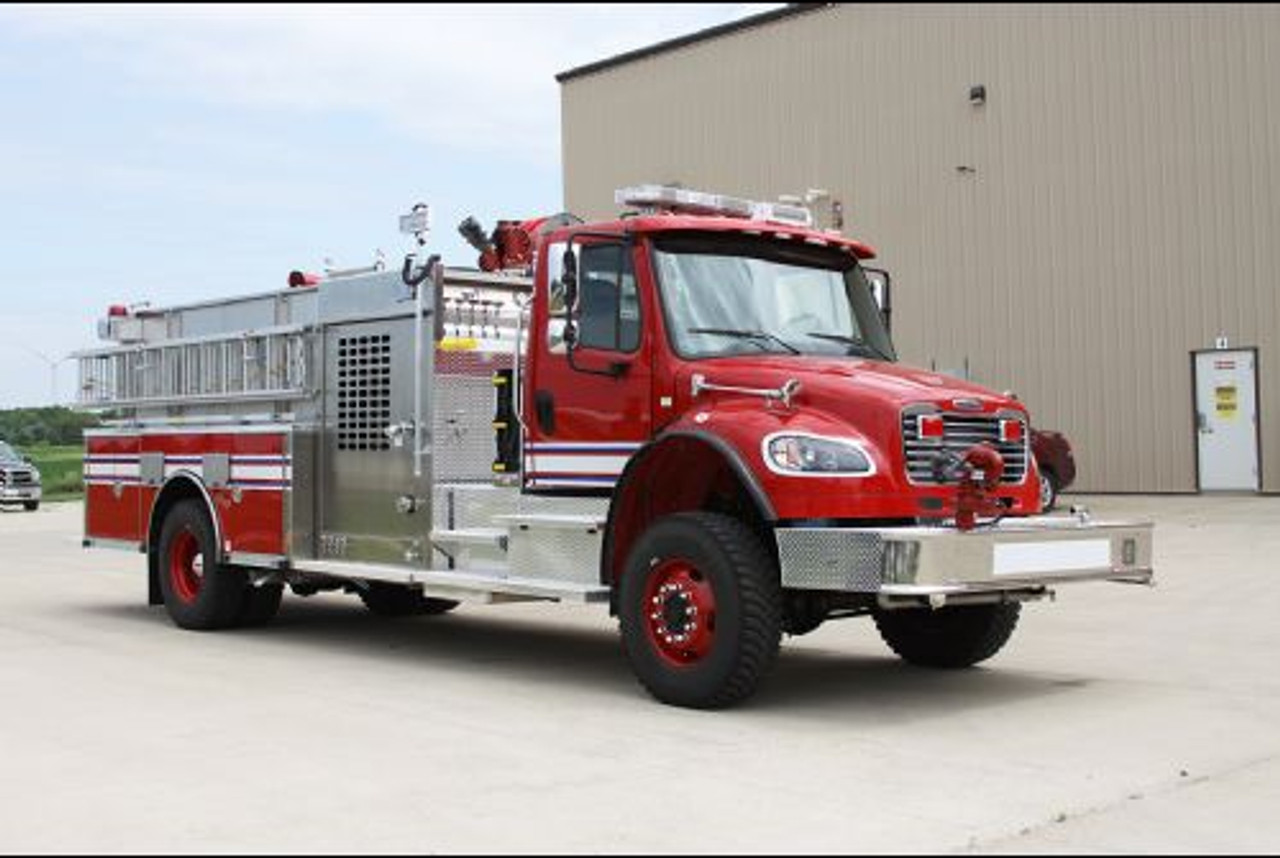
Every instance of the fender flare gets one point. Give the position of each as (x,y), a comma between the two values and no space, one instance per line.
(728,453)
(184,477)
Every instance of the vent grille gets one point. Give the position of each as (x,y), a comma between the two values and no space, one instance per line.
(364,392)
(962,431)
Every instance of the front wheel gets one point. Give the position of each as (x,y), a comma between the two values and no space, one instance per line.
(700,610)
(953,637)
(31,506)
(1048,491)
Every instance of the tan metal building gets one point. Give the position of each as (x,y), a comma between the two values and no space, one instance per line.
(1106,205)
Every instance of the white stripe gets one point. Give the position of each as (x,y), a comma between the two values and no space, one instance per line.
(608,465)
(261,472)
(105,470)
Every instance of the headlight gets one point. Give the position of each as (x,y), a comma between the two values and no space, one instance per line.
(810,454)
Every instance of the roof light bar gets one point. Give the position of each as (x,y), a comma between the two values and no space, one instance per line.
(685,201)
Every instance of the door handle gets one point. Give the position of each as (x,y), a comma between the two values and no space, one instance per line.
(1202,423)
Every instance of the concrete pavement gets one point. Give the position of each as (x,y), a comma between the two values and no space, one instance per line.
(1117,719)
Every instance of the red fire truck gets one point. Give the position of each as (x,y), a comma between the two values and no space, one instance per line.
(692,414)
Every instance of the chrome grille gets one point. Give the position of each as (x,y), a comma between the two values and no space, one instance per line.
(962,431)
(17,478)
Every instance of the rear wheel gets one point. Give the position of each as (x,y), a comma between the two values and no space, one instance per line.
(197,592)
(394,600)
(699,606)
(950,637)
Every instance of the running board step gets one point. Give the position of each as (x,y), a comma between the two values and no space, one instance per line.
(587,523)
(452,541)
(482,585)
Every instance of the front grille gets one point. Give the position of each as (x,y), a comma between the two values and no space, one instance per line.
(962,432)
(17,478)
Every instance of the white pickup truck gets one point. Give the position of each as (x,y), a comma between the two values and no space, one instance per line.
(19,479)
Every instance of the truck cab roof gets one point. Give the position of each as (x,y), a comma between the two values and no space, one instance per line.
(659,223)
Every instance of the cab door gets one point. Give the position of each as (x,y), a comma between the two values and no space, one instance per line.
(587,403)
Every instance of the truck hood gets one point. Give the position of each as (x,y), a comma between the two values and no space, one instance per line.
(842,384)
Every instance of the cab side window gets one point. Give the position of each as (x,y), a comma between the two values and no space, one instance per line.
(608,311)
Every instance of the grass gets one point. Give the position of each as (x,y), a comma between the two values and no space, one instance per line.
(60,470)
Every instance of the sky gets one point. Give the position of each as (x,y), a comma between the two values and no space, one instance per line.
(167,154)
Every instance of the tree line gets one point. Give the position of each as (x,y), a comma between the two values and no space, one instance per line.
(49,425)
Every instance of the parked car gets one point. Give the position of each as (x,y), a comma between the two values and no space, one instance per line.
(1056,462)
(19,479)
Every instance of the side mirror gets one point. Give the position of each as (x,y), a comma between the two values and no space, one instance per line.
(880,283)
(569,278)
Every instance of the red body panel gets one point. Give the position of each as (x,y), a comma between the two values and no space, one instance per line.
(112,506)
(250,509)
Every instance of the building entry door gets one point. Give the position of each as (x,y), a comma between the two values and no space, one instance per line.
(1227,419)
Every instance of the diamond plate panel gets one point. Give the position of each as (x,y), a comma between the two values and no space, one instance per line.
(830,559)
(557,553)
(464,409)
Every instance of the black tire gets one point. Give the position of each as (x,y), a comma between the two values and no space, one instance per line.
(261,604)
(742,629)
(213,598)
(31,506)
(950,638)
(394,600)
(1048,490)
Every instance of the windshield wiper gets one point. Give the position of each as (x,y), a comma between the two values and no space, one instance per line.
(756,336)
(853,342)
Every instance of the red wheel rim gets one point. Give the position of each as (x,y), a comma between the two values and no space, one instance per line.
(186,566)
(679,612)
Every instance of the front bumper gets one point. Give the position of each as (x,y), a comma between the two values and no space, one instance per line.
(1016,555)
(19,494)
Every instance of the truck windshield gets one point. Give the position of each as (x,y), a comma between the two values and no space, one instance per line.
(8,454)
(735,295)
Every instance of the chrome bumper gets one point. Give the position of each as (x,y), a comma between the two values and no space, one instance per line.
(15,494)
(1016,555)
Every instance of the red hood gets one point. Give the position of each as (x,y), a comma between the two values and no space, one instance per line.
(839,397)
(840,383)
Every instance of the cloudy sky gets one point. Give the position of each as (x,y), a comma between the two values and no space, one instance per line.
(167,154)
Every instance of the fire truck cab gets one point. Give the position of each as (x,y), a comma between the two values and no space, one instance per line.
(693,414)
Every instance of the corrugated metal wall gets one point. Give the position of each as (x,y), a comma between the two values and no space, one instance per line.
(1120,205)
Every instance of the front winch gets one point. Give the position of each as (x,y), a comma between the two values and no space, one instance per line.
(977,474)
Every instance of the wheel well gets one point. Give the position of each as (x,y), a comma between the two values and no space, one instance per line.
(681,473)
(180,487)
